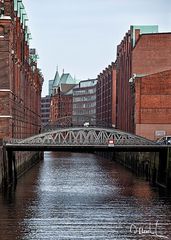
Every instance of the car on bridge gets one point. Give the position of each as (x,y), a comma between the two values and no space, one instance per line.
(164,140)
(86,124)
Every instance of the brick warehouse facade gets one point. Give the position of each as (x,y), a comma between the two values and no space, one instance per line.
(153,105)
(20,79)
(151,60)
(152,53)
(106,96)
(61,99)
(61,106)
(124,71)
(124,118)
(142,52)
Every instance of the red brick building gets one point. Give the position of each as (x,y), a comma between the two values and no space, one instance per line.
(20,79)
(151,57)
(106,96)
(153,105)
(124,118)
(124,71)
(143,57)
(61,104)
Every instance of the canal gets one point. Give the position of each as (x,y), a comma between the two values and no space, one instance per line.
(83,196)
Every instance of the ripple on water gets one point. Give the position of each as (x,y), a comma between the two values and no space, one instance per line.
(82,196)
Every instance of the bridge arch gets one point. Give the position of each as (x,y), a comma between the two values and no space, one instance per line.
(84,136)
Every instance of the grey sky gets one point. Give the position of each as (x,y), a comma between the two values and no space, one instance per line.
(81,36)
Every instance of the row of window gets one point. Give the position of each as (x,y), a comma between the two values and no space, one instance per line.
(84,111)
(45,110)
(84,105)
(85,98)
(45,100)
(89,83)
(45,105)
(84,92)
(45,115)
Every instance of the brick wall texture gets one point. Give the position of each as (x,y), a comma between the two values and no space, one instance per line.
(106,97)
(61,106)
(152,53)
(153,104)
(20,80)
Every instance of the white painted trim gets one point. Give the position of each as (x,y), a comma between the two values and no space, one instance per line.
(5,90)
(2,17)
(5,116)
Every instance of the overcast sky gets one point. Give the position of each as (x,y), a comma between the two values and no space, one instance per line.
(80,36)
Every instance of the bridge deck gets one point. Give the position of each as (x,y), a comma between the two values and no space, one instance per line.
(86,148)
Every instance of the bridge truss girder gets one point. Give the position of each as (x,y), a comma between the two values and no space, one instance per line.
(84,136)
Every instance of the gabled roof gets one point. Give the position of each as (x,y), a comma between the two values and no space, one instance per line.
(66,79)
(56,79)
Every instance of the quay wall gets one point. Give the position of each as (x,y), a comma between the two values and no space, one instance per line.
(23,162)
(154,167)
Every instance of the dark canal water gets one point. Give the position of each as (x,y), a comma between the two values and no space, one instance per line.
(82,196)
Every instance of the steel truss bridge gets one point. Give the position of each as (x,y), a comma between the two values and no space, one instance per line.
(82,139)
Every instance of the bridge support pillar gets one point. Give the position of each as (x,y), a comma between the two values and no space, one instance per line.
(162,168)
(169,168)
(154,168)
(12,173)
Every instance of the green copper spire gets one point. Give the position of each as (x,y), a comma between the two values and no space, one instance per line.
(56,78)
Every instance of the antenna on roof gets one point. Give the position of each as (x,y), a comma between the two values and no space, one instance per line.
(63,70)
(75,78)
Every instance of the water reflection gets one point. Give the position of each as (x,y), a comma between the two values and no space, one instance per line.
(82,196)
